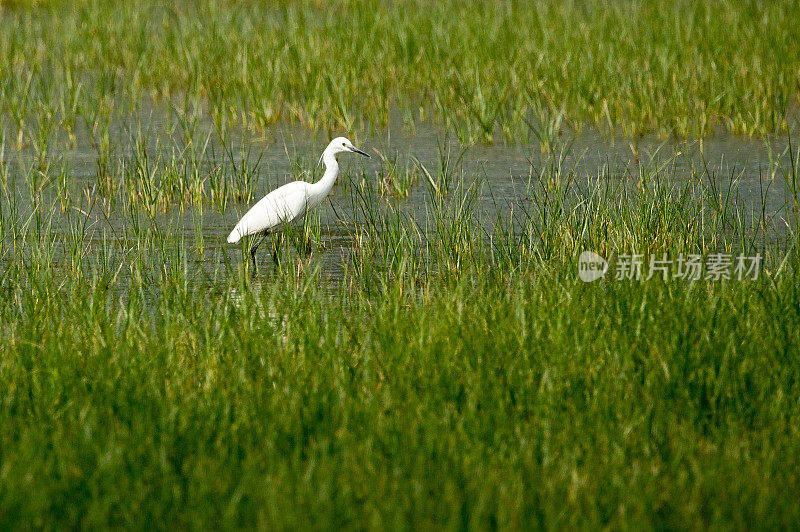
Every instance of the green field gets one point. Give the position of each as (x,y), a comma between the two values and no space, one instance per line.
(452,371)
(486,70)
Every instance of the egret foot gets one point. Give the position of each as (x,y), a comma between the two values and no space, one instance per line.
(307,249)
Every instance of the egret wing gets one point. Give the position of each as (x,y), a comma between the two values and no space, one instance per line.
(279,207)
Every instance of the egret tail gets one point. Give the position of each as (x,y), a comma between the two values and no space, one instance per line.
(235,235)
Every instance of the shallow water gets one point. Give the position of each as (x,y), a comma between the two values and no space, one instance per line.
(503,173)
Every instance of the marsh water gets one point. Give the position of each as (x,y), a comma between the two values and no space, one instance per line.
(751,171)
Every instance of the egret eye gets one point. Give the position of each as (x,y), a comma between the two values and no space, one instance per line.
(344,144)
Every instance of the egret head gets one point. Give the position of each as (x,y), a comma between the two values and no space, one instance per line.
(341,144)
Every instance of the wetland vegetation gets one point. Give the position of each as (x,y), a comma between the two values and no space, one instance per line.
(435,361)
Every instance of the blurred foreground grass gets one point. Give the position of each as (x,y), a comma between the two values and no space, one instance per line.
(540,402)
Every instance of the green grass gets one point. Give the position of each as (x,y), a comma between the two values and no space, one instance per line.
(535,402)
(450,378)
(454,372)
(485,70)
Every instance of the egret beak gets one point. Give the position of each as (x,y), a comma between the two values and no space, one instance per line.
(353,148)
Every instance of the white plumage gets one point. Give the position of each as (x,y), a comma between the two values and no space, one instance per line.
(280,206)
(291,201)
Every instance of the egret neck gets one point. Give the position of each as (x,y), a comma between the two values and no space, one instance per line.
(319,190)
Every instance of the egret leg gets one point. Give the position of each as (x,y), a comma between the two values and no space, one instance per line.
(255,248)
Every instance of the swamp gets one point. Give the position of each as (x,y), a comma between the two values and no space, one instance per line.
(423,350)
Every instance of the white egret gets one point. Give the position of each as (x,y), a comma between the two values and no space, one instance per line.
(291,201)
